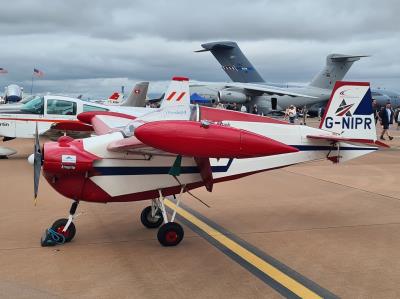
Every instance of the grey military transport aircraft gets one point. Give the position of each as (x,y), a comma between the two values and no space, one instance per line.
(248,87)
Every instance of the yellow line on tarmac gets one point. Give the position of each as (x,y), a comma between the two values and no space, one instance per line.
(277,275)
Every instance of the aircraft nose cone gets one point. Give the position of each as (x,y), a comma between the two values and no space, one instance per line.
(31,159)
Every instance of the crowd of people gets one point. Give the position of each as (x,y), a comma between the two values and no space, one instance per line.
(237,107)
(291,114)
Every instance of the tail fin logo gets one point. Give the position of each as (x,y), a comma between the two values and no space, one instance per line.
(237,68)
(344,109)
(172,96)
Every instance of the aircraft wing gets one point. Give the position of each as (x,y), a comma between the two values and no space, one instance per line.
(104,122)
(252,87)
(72,125)
(267,89)
(334,138)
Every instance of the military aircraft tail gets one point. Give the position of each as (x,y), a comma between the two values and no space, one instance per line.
(349,112)
(233,61)
(337,65)
(137,97)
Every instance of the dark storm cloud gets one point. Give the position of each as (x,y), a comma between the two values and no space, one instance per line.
(95,46)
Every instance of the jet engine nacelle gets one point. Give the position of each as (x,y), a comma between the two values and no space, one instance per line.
(232,96)
(13,93)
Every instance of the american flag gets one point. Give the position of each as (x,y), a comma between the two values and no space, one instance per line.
(38,73)
(3,71)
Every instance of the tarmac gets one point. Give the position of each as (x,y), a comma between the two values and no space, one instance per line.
(310,230)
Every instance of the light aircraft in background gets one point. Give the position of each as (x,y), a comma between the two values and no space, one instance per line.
(248,87)
(57,115)
(180,147)
(136,98)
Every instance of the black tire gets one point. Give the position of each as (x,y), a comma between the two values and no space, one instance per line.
(59,225)
(170,234)
(149,221)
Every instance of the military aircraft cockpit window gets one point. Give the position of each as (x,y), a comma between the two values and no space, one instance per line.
(34,106)
(87,108)
(61,107)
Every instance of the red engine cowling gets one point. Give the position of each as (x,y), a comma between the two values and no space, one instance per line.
(66,166)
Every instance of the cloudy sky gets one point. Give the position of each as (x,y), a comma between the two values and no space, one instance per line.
(94,47)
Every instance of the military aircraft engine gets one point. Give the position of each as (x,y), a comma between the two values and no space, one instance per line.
(232,96)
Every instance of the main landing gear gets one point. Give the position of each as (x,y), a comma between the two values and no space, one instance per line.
(62,231)
(170,233)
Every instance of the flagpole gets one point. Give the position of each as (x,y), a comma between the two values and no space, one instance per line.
(32,85)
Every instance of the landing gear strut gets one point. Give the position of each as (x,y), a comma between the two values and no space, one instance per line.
(170,233)
(62,231)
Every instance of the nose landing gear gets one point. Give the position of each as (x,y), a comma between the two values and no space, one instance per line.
(62,231)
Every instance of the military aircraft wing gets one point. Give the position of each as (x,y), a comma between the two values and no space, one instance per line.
(267,89)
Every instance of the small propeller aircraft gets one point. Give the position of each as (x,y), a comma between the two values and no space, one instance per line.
(179,147)
(56,115)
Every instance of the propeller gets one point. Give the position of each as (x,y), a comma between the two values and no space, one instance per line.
(37,163)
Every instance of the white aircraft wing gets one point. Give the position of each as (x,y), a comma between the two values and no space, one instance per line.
(267,89)
(263,88)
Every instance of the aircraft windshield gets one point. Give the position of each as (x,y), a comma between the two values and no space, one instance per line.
(34,106)
(27,99)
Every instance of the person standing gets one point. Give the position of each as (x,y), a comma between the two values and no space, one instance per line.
(397,117)
(305,111)
(376,110)
(386,116)
(292,113)
(243,108)
(220,106)
(255,109)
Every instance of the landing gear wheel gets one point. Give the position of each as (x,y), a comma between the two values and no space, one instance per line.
(170,234)
(59,225)
(148,220)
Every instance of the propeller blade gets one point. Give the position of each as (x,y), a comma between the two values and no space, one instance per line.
(37,163)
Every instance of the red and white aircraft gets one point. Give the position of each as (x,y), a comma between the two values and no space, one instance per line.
(180,147)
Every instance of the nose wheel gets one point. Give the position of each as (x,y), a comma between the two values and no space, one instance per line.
(59,225)
(62,231)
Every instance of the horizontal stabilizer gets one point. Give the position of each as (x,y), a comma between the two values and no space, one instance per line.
(341,57)
(215,45)
(334,138)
